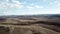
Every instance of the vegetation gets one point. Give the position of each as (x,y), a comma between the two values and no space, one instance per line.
(29,25)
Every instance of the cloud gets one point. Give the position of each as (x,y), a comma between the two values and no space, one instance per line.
(55,11)
(31,4)
(55,1)
(45,0)
(58,4)
(10,8)
(7,8)
(51,3)
(14,4)
(30,7)
(18,6)
(18,13)
(8,13)
(37,6)
(34,7)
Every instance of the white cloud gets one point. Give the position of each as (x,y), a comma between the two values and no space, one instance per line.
(45,0)
(32,4)
(9,13)
(37,6)
(15,4)
(56,11)
(5,1)
(19,13)
(30,7)
(55,1)
(58,4)
(51,3)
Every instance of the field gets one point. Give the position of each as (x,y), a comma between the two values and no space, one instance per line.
(29,25)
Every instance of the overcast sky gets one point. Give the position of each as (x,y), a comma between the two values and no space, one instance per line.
(29,7)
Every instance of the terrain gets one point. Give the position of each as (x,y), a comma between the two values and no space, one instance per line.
(30,24)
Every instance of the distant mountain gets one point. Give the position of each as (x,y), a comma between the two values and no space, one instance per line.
(24,16)
(57,15)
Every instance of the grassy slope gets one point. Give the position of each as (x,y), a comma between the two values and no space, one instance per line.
(44,28)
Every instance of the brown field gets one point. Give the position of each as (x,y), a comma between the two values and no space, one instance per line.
(31,25)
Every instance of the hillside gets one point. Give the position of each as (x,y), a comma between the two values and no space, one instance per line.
(30,24)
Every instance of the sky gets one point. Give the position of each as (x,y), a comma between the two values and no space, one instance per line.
(29,7)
